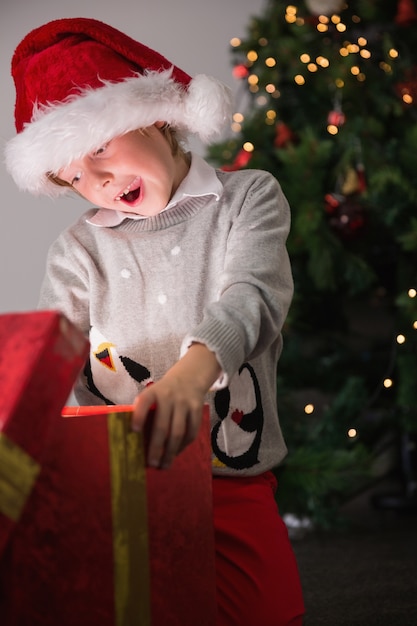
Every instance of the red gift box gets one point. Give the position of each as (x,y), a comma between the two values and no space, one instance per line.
(40,358)
(101,539)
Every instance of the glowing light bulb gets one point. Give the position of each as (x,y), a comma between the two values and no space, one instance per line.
(299,79)
(322,61)
(235,42)
(412,293)
(252,56)
(270,62)
(332,129)
(352,433)
(400,339)
(388,383)
(248,146)
(309,409)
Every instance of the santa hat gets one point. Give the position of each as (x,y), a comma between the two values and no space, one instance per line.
(80,82)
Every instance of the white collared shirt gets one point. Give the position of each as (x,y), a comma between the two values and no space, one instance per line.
(201,180)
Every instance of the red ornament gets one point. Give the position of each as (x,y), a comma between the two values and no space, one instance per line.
(332,202)
(346,215)
(241,160)
(240,71)
(283,135)
(406,13)
(336,118)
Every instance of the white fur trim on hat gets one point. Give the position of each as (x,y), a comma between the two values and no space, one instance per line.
(61,132)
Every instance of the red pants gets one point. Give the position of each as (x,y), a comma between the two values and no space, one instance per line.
(257,576)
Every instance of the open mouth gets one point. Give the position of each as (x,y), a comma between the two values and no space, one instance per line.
(131,194)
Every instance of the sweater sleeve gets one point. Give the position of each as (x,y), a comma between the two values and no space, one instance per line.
(256,285)
(65,286)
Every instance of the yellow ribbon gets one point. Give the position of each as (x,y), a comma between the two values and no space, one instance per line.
(18,472)
(130,529)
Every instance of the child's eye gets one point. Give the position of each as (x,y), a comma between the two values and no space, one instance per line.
(100,150)
(76,178)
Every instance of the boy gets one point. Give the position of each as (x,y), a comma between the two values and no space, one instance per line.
(180,278)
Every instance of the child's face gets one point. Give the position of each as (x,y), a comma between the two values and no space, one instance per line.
(134,173)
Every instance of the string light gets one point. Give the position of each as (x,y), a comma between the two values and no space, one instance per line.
(385,67)
(352,433)
(322,61)
(248,146)
(388,383)
(309,409)
(238,118)
(299,79)
(400,339)
(393,53)
(261,101)
(291,14)
(412,293)
(270,62)
(332,129)
(252,56)
(235,42)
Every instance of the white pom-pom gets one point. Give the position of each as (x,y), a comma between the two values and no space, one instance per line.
(207,106)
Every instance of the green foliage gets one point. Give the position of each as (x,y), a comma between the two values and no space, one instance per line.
(353,241)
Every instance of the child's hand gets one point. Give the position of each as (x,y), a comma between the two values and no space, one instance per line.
(178,399)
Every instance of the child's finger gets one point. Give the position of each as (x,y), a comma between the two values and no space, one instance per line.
(176,437)
(143,404)
(159,436)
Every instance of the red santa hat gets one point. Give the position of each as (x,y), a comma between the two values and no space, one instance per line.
(80,82)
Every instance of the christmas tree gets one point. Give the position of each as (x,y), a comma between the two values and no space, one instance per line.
(327,102)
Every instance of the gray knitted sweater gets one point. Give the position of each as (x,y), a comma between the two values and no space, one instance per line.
(206,270)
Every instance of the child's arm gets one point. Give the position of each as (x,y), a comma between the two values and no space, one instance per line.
(179,398)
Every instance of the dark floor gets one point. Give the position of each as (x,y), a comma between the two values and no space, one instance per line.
(363,576)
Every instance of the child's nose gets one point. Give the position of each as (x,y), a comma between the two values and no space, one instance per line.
(102,178)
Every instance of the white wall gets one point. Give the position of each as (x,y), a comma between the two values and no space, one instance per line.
(193,34)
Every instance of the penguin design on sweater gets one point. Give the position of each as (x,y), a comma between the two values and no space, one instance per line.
(107,369)
(240,422)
